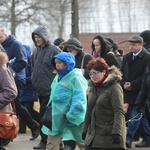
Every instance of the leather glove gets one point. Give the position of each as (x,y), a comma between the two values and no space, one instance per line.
(116,138)
(83,136)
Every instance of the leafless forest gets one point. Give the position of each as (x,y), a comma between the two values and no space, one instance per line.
(109,16)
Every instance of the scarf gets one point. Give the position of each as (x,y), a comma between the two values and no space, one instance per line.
(96,54)
(97,85)
(62,73)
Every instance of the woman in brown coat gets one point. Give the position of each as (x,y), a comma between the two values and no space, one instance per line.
(104,126)
(8,89)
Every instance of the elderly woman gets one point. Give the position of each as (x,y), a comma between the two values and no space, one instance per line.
(104,126)
(68,100)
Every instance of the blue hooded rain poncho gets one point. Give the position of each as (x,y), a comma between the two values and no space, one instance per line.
(68,100)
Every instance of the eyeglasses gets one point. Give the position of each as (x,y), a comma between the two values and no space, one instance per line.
(93,73)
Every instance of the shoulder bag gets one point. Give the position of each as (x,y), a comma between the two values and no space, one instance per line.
(47,117)
(8,125)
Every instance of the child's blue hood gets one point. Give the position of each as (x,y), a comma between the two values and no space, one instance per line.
(68,58)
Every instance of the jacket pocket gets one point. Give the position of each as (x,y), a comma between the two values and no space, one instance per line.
(105,129)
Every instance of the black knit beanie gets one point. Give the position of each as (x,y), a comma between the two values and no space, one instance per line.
(146,36)
(74,43)
(58,41)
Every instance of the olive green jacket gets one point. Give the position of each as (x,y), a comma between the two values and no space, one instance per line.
(106,117)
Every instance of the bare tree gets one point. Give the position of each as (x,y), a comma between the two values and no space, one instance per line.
(88,14)
(16,12)
(110,15)
(55,14)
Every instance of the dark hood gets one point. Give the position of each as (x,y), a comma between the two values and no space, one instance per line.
(42,32)
(105,45)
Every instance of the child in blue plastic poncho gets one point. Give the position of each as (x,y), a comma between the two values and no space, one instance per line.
(68,99)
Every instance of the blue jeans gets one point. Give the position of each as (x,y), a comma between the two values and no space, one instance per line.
(138,121)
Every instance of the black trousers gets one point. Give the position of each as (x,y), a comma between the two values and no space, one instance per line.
(1,147)
(43,103)
(91,148)
(70,143)
(23,112)
(34,114)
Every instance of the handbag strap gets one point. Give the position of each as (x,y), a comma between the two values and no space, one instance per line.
(13,104)
(82,61)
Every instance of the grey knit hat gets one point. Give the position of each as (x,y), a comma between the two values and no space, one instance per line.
(74,43)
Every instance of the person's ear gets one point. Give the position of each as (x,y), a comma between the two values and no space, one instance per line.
(104,72)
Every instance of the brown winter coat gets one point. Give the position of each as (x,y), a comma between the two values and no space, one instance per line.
(107,115)
(8,89)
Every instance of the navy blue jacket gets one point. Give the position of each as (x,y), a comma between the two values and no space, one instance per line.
(28,93)
(15,49)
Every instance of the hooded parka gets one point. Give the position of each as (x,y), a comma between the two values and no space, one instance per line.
(17,58)
(105,51)
(105,114)
(43,76)
(81,57)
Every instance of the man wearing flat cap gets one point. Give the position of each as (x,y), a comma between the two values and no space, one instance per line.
(133,66)
(135,39)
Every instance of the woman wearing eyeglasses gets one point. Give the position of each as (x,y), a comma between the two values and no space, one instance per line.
(104,126)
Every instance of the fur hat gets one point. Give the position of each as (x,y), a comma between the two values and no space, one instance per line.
(146,36)
(75,44)
(135,39)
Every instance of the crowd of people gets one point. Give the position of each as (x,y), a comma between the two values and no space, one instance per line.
(87,92)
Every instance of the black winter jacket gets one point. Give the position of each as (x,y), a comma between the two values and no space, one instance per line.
(106,53)
(43,75)
(145,88)
(133,71)
(87,58)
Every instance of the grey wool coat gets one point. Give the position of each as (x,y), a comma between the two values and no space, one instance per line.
(105,116)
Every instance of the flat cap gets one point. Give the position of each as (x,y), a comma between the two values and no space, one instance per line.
(135,39)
